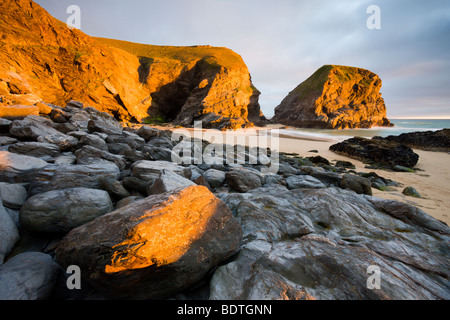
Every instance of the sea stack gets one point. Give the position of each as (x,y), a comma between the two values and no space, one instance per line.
(335,97)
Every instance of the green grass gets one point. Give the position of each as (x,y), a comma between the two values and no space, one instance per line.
(216,56)
(78,55)
(154,120)
(314,84)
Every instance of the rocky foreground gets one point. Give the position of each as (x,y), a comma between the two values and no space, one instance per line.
(79,189)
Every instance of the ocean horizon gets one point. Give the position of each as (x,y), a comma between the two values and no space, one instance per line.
(400,126)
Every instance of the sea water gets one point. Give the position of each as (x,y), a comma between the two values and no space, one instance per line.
(400,126)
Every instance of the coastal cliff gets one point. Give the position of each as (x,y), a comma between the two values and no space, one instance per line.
(43,60)
(335,97)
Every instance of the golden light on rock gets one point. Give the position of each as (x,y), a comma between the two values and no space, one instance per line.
(164,234)
(153,247)
(18,111)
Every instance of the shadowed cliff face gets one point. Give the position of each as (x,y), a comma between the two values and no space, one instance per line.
(200,83)
(335,97)
(41,59)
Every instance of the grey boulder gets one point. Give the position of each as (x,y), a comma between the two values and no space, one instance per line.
(41,129)
(321,243)
(32,127)
(60,211)
(243,180)
(131,139)
(28,276)
(304,181)
(63,141)
(92,140)
(13,195)
(151,170)
(215,177)
(18,167)
(41,150)
(168,181)
(9,234)
(56,177)
(91,155)
(356,183)
(153,247)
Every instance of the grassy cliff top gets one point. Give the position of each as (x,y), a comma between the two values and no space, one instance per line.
(316,81)
(214,55)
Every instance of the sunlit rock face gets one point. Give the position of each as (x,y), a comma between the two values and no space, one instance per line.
(154,247)
(43,60)
(335,97)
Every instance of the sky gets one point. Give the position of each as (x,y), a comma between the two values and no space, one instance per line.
(283,42)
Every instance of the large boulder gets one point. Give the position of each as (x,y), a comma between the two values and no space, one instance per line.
(28,276)
(32,127)
(41,129)
(168,181)
(104,124)
(377,151)
(329,178)
(60,211)
(115,188)
(136,184)
(63,141)
(92,140)
(322,243)
(91,155)
(153,247)
(132,139)
(304,181)
(429,140)
(215,177)
(18,167)
(5,140)
(151,170)
(244,180)
(13,195)
(335,97)
(40,150)
(156,153)
(9,234)
(56,177)
(356,183)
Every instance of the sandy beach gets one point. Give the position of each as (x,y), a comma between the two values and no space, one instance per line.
(432,180)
